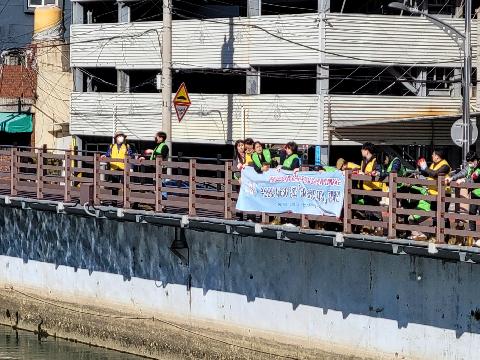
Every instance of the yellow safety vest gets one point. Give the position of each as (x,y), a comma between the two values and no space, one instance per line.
(117,153)
(248,158)
(433,189)
(367,170)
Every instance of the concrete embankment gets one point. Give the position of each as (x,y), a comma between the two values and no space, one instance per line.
(149,335)
(284,293)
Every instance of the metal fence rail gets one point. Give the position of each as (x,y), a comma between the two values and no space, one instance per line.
(195,187)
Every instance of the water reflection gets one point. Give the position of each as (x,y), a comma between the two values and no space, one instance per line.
(23,345)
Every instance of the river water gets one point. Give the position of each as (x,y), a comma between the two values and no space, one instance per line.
(23,345)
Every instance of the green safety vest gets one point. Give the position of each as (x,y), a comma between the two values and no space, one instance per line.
(422,204)
(475,192)
(289,161)
(266,155)
(401,172)
(157,151)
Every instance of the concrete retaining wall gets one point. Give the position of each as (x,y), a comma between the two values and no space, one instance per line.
(405,305)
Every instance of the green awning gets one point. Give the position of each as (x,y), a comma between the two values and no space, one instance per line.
(15,123)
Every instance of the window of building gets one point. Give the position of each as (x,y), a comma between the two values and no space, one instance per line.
(211,81)
(97,12)
(190,9)
(279,7)
(288,80)
(36,3)
(30,5)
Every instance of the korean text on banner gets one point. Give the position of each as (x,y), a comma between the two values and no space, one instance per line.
(307,193)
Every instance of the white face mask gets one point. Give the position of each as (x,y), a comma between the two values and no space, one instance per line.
(120,139)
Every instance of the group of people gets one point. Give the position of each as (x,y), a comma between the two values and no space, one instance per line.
(382,165)
(253,153)
(250,153)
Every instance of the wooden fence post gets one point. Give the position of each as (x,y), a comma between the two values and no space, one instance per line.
(192,188)
(40,174)
(227,190)
(440,213)
(158,184)
(96,179)
(68,176)
(347,203)
(13,171)
(126,183)
(392,206)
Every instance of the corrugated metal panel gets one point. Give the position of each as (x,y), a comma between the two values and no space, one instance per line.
(212,43)
(211,118)
(284,39)
(283,118)
(359,39)
(105,45)
(353,111)
(401,39)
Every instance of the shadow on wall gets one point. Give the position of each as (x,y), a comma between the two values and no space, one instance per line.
(228,50)
(406,289)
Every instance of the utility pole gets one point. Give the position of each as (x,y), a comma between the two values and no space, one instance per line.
(467,76)
(167,72)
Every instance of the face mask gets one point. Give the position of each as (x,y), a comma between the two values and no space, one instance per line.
(120,139)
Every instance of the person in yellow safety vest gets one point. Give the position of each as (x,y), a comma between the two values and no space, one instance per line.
(371,167)
(119,150)
(249,151)
(262,159)
(439,167)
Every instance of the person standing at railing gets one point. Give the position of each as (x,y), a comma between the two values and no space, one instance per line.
(439,167)
(238,159)
(390,166)
(469,174)
(118,151)
(249,151)
(262,158)
(161,149)
(370,167)
(289,159)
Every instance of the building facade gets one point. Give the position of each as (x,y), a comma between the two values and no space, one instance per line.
(322,72)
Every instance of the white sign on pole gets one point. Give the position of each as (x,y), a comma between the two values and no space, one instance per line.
(457,132)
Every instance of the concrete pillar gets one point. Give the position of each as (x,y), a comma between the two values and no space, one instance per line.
(123,12)
(77,80)
(77,13)
(323,6)
(254,7)
(123,81)
(253,81)
(422,84)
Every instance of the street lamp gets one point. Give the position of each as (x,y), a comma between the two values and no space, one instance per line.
(464,42)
